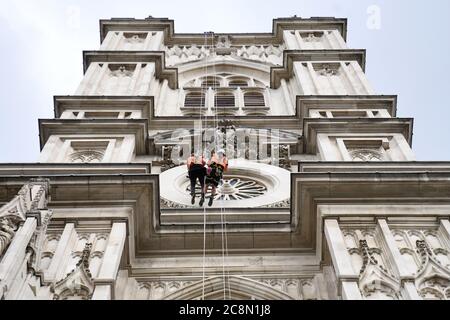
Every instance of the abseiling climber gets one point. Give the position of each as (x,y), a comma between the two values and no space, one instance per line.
(196,169)
(217,165)
(210,176)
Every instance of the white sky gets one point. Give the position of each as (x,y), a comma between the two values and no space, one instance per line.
(42,43)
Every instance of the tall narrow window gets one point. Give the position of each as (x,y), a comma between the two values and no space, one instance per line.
(194,100)
(254,99)
(224,100)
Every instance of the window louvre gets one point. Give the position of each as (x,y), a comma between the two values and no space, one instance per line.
(224,100)
(194,100)
(254,99)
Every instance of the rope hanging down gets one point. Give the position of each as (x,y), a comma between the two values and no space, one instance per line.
(201,152)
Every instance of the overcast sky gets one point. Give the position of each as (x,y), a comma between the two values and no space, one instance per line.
(407,42)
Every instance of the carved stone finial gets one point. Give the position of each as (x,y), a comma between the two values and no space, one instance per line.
(374,278)
(78,283)
(7,231)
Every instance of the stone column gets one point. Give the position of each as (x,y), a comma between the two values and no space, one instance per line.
(157,41)
(16,252)
(162,95)
(339,39)
(62,254)
(287,98)
(298,37)
(102,292)
(406,278)
(289,41)
(314,78)
(147,41)
(96,82)
(131,90)
(362,77)
(445,227)
(346,275)
(111,262)
(107,41)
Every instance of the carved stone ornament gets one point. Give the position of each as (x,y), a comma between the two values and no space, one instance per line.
(365,155)
(327,71)
(78,284)
(433,278)
(30,198)
(375,280)
(86,156)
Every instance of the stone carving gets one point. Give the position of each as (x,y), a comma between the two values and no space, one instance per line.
(297,288)
(365,155)
(167,162)
(433,278)
(30,198)
(7,231)
(223,45)
(78,284)
(164,203)
(134,38)
(283,160)
(269,54)
(280,204)
(328,71)
(182,54)
(311,37)
(36,245)
(121,71)
(375,280)
(86,156)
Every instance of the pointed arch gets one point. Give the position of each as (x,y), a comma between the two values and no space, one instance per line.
(240,287)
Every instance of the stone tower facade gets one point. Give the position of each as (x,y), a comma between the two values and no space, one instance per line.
(323,198)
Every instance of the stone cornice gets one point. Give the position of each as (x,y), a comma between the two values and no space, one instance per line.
(304,103)
(308,190)
(138,127)
(140,192)
(376,166)
(287,122)
(119,103)
(40,169)
(286,71)
(157,57)
(382,126)
(274,37)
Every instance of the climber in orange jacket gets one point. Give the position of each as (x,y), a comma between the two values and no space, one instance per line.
(196,170)
(217,165)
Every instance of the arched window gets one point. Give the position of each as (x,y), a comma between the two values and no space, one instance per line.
(194,100)
(211,82)
(254,99)
(238,83)
(224,100)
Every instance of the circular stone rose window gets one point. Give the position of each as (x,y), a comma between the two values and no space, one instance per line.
(246,184)
(234,188)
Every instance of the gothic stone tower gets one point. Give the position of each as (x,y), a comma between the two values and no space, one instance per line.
(323,198)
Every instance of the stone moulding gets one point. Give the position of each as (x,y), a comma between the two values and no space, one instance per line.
(138,127)
(336,102)
(157,57)
(286,71)
(313,126)
(119,103)
(170,37)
